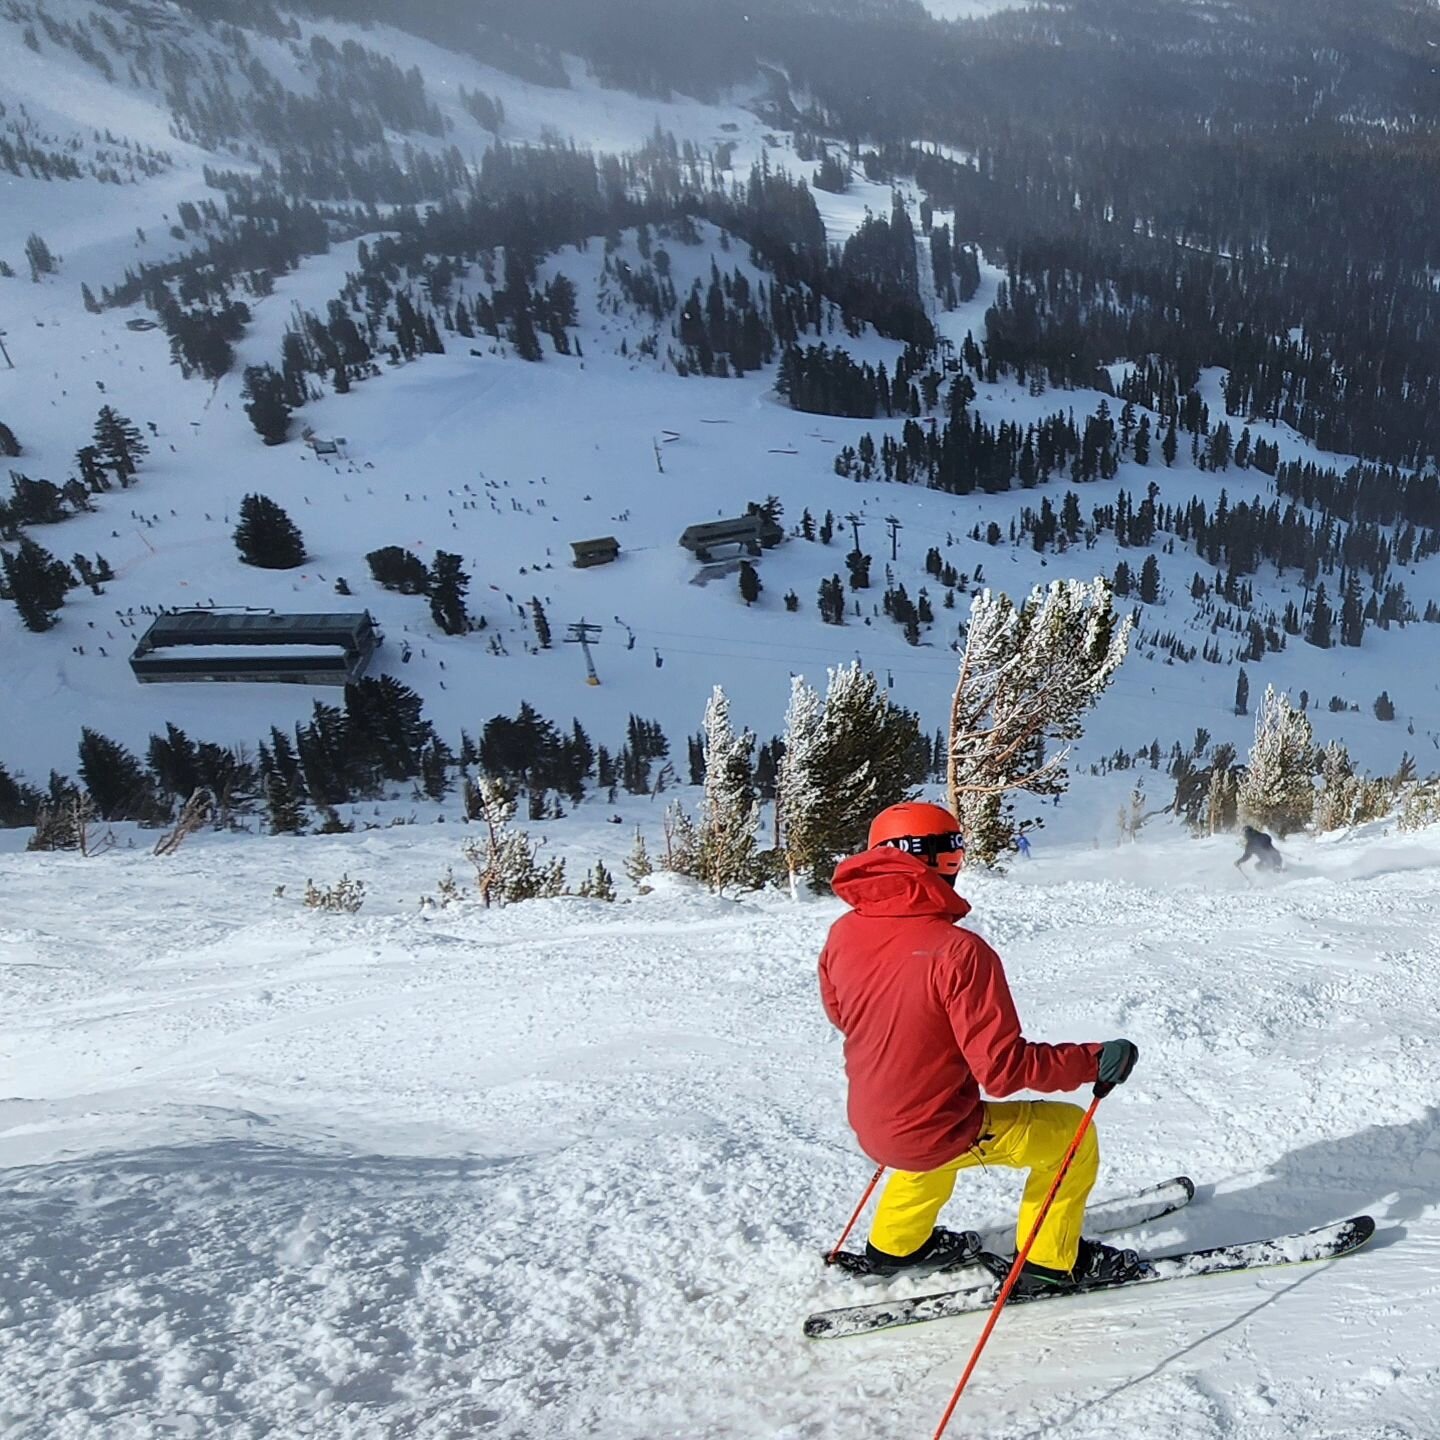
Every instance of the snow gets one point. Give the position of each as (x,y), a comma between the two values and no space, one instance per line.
(459,452)
(567,1168)
(973,9)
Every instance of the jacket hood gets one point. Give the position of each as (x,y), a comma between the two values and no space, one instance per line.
(888,882)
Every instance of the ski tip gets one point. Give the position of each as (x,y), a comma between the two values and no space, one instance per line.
(1186,1184)
(1362,1229)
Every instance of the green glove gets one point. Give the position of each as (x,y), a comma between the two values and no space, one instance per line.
(1117,1060)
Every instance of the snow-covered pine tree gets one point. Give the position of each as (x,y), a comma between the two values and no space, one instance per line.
(1421,806)
(729,810)
(598,884)
(682,847)
(1347,798)
(1026,678)
(1276,791)
(1221,801)
(507,869)
(638,865)
(865,754)
(798,798)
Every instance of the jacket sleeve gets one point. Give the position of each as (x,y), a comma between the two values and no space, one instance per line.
(982,1015)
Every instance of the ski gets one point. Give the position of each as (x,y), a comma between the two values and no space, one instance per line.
(1125,1212)
(1104,1217)
(1325,1243)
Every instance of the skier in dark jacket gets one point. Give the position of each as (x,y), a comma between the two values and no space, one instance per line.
(928,1018)
(1262,848)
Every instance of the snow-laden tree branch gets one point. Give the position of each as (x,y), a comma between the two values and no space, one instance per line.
(1027,677)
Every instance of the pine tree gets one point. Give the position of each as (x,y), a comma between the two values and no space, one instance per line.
(522,328)
(1150,580)
(448,584)
(118,443)
(266,537)
(37,582)
(1242,693)
(507,865)
(1321,619)
(283,805)
(729,810)
(638,865)
(1170,446)
(268,408)
(174,763)
(799,800)
(1142,442)
(114,779)
(859,567)
(750,586)
(1384,706)
(18,802)
(435,762)
(1026,678)
(1276,791)
(92,472)
(842,764)
(396,568)
(1352,613)
(38,253)
(542,625)
(598,884)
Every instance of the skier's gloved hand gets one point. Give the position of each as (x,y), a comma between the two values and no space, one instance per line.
(1117,1060)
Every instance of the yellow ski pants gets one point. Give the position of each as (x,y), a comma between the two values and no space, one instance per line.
(1021,1135)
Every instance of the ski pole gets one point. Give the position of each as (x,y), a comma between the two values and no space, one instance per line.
(864,1200)
(1101,1091)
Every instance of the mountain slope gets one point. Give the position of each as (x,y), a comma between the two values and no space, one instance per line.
(587,436)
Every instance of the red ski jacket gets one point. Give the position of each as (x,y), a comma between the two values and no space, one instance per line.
(926,1014)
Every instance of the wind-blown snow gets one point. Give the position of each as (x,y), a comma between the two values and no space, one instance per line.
(568,1168)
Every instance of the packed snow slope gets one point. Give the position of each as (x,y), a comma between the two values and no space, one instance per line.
(567,1169)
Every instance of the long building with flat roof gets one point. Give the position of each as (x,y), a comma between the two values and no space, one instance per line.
(256,646)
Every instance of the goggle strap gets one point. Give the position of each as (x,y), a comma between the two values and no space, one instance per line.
(928,847)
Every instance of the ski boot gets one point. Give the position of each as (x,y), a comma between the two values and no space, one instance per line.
(944,1250)
(1096,1266)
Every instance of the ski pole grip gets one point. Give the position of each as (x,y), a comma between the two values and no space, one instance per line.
(1103,1088)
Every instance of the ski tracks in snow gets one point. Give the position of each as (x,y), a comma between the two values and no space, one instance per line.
(566,1169)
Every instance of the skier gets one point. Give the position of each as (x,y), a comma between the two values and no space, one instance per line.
(927,1017)
(1022,844)
(1262,847)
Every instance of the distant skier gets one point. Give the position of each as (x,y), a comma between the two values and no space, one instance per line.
(1022,844)
(1262,848)
(928,1018)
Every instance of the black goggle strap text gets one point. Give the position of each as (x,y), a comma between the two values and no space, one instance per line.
(928,847)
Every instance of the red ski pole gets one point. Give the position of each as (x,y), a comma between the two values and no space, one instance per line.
(864,1200)
(1101,1091)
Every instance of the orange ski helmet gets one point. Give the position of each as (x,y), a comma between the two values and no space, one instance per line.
(929,832)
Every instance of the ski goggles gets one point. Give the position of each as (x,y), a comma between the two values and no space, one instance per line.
(928,847)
